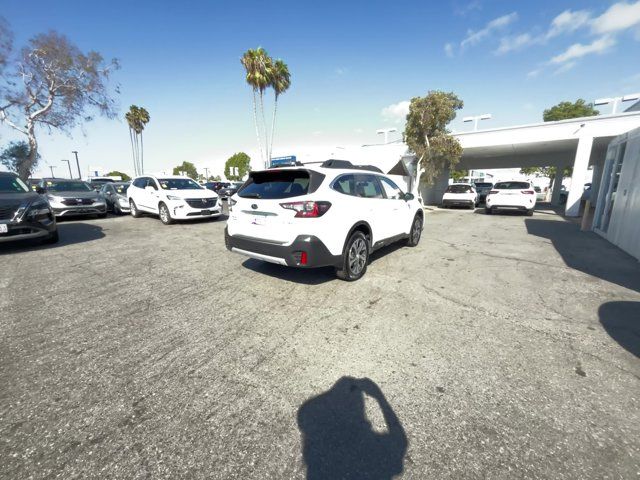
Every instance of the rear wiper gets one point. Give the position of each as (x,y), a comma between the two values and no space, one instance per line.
(251,195)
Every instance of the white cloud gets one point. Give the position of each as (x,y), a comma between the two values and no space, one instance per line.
(534,73)
(567,22)
(463,10)
(565,68)
(579,50)
(473,38)
(510,44)
(448,50)
(396,112)
(620,16)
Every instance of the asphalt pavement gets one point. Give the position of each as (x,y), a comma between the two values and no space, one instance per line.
(502,346)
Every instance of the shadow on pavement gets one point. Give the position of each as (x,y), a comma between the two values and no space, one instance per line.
(587,252)
(70,234)
(339,441)
(621,320)
(306,276)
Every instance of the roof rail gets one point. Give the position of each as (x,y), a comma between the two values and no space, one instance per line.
(347,165)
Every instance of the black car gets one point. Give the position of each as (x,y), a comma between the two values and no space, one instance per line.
(215,186)
(227,192)
(24,214)
(483,189)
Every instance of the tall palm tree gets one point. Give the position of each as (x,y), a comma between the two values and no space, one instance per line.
(280,82)
(258,66)
(137,118)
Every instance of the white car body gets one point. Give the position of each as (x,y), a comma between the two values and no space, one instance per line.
(512,195)
(149,194)
(316,212)
(460,195)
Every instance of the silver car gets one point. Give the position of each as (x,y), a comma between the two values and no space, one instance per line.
(115,195)
(72,197)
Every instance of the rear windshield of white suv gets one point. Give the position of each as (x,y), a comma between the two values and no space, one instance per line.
(511,186)
(458,189)
(276,184)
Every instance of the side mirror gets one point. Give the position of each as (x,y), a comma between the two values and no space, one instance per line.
(408,196)
(40,190)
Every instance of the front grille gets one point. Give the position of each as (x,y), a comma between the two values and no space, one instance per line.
(201,202)
(8,211)
(77,201)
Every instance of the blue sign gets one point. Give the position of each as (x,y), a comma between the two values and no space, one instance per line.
(282,161)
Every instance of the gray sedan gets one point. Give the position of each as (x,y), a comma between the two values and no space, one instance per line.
(72,197)
(115,195)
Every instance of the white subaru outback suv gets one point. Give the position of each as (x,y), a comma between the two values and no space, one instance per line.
(172,198)
(333,214)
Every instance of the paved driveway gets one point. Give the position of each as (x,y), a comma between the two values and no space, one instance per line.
(501,347)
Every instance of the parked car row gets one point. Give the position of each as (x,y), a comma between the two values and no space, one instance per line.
(512,195)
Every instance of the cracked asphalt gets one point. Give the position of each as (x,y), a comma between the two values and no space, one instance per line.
(501,347)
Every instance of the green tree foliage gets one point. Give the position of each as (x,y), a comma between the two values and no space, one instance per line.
(187,167)
(427,135)
(15,158)
(549,172)
(124,176)
(51,84)
(215,178)
(565,110)
(240,160)
(458,175)
(261,73)
(137,118)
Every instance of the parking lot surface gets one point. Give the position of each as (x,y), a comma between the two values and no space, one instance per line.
(502,346)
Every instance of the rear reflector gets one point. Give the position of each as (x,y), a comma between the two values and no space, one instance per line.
(493,191)
(307,209)
(303,258)
(528,192)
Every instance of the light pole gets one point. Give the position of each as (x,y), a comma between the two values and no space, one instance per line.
(475,119)
(386,132)
(52,167)
(206,174)
(68,165)
(77,163)
(616,101)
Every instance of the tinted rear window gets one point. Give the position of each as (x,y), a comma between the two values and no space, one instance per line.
(484,185)
(511,186)
(276,184)
(458,189)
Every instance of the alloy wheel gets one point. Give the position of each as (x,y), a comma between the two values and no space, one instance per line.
(357,256)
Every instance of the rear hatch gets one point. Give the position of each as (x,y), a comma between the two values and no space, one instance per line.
(257,212)
(510,188)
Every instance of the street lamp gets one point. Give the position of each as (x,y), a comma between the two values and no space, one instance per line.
(68,165)
(616,101)
(475,119)
(77,163)
(386,132)
(52,167)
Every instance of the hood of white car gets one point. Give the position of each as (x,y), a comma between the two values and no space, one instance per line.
(204,193)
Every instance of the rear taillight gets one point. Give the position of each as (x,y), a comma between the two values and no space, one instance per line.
(493,191)
(307,209)
(528,192)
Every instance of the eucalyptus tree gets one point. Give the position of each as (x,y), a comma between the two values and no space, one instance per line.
(51,84)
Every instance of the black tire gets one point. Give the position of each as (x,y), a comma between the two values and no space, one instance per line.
(52,238)
(530,213)
(135,213)
(416,232)
(116,209)
(165,215)
(488,210)
(354,258)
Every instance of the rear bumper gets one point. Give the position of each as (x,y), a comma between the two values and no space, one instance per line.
(317,253)
(457,203)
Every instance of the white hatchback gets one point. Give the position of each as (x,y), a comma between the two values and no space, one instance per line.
(172,198)
(512,195)
(460,195)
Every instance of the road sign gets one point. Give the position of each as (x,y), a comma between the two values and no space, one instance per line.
(282,161)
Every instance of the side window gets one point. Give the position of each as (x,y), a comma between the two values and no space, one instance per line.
(152,183)
(391,190)
(140,182)
(345,184)
(367,186)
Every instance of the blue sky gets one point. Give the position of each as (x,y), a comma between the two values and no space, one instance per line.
(353,65)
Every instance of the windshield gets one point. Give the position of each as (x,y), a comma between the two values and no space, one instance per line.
(458,189)
(178,184)
(53,186)
(121,188)
(11,184)
(275,184)
(511,186)
(484,185)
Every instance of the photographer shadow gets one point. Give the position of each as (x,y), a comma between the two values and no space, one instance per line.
(339,441)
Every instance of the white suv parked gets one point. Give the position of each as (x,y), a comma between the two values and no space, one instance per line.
(172,198)
(333,214)
(512,195)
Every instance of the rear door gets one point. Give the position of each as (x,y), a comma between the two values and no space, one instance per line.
(257,212)
(400,219)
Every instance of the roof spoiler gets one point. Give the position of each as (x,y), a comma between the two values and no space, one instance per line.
(347,165)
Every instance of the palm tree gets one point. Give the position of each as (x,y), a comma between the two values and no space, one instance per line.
(280,82)
(137,118)
(258,66)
